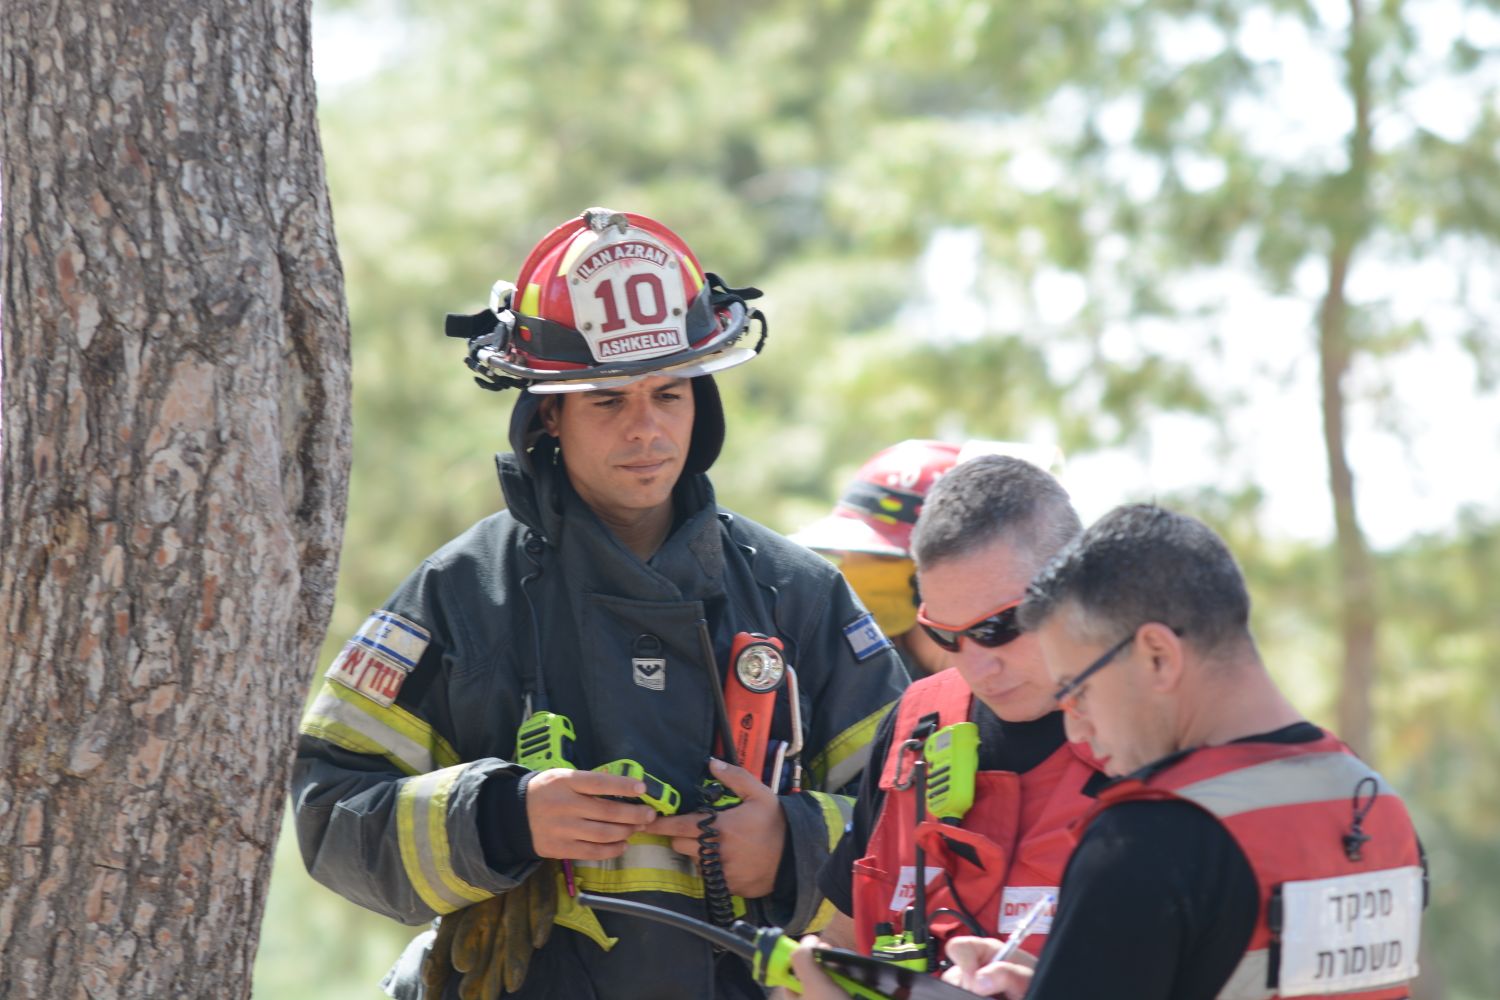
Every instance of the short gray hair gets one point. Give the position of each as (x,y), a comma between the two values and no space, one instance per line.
(991,497)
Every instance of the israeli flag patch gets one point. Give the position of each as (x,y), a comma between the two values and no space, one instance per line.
(377,660)
(865,638)
(397,639)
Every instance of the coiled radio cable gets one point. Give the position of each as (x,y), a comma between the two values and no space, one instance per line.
(710,863)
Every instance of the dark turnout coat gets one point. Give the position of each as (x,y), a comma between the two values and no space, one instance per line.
(420,712)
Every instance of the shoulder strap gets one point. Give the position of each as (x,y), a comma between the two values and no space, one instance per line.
(944,694)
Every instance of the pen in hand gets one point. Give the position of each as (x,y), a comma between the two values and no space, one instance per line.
(1024,928)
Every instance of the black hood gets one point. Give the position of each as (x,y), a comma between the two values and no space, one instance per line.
(703,449)
(537,490)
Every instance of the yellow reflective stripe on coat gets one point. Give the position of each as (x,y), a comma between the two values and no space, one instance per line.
(648,865)
(846,754)
(353,722)
(837,811)
(422,832)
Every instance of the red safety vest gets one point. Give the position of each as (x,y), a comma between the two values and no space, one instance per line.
(1328,925)
(1008,851)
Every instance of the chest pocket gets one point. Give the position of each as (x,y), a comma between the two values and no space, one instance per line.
(659,712)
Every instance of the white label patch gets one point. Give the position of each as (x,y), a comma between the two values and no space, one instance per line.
(906,886)
(1017,901)
(650,673)
(368,672)
(629,301)
(865,638)
(377,659)
(1351,932)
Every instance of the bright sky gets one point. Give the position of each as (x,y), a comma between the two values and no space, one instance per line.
(1428,447)
(1446,456)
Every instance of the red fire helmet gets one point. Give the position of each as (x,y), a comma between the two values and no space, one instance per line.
(606,299)
(879,508)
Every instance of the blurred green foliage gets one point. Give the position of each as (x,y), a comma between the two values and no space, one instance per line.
(820,150)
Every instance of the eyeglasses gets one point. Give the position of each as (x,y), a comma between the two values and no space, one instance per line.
(1067,696)
(995,628)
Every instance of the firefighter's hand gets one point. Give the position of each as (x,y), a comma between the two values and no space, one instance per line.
(570,818)
(751,834)
(816,984)
(975,970)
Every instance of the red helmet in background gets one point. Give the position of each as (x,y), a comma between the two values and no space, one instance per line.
(880,507)
(606,299)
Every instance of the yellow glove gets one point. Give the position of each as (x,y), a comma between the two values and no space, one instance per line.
(489,945)
(482,979)
(544,886)
(437,967)
(464,940)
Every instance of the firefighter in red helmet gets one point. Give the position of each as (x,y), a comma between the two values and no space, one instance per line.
(868,533)
(526,713)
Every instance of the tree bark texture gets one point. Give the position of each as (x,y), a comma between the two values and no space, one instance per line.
(1358,611)
(175,432)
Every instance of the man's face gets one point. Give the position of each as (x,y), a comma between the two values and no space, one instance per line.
(1114,711)
(1012,678)
(624,447)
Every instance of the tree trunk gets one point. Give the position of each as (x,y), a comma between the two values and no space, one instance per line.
(1357,613)
(1357,597)
(174,452)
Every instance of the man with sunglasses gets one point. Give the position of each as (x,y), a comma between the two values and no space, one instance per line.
(987,526)
(1242,851)
(868,534)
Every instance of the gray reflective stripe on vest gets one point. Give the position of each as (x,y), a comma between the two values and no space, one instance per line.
(1295,780)
(1287,782)
(1249,979)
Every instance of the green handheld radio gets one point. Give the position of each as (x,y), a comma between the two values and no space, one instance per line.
(944,775)
(659,795)
(545,740)
(953,758)
(899,949)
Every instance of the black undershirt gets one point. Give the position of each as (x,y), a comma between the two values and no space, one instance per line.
(1003,746)
(1158,902)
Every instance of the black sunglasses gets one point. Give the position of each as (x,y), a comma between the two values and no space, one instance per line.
(991,630)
